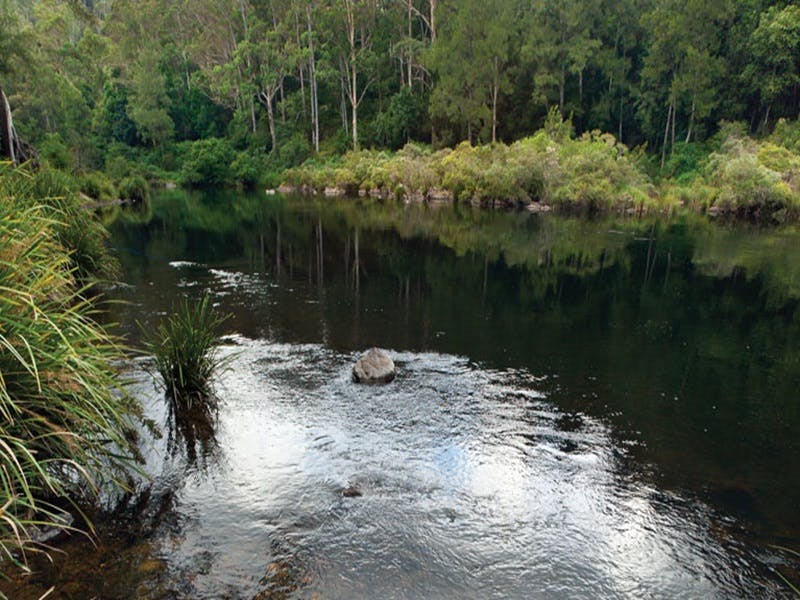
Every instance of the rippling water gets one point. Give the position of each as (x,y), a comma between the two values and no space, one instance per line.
(533,445)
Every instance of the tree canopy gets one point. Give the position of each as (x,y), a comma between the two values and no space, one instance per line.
(286,79)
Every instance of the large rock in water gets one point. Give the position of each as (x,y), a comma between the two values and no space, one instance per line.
(374,367)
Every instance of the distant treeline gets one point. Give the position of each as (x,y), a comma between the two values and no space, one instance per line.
(95,83)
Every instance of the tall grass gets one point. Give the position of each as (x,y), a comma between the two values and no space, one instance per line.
(65,420)
(80,234)
(184,347)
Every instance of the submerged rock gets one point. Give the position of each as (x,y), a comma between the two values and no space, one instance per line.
(352,491)
(374,367)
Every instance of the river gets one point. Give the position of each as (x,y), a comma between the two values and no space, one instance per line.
(583,408)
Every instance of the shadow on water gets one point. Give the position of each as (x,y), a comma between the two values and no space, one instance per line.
(582,408)
(192,430)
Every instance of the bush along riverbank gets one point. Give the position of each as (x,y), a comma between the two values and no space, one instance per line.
(733,175)
(66,421)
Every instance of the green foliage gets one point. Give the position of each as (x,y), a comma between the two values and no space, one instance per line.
(751,178)
(593,172)
(55,152)
(118,167)
(64,417)
(207,162)
(282,82)
(135,189)
(96,185)
(77,228)
(291,152)
(184,347)
(787,134)
(246,169)
(686,161)
(774,46)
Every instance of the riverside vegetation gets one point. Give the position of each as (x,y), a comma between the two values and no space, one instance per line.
(737,175)
(66,421)
(223,93)
(68,426)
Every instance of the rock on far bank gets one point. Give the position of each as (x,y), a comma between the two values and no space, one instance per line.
(374,367)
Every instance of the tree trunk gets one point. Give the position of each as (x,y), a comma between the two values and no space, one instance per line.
(495,93)
(7,135)
(674,111)
(666,136)
(354,98)
(691,122)
(410,6)
(300,68)
(432,19)
(271,119)
(12,148)
(353,70)
(312,74)
(283,104)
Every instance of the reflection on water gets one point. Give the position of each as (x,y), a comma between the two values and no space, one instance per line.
(582,409)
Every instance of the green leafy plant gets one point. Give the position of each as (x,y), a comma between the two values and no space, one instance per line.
(66,421)
(184,347)
(135,189)
(208,162)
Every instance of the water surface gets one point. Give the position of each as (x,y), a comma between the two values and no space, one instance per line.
(584,409)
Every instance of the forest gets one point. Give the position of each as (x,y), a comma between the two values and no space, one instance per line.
(214,92)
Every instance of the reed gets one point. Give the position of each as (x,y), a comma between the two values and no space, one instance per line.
(184,347)
(66,422)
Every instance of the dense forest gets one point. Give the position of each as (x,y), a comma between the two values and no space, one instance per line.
(264,84)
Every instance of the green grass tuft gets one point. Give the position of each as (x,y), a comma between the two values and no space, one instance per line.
(184,347)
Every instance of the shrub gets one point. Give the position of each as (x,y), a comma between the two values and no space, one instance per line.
(686,161)
(136,190)
(65,421)
(118,167)
(247,169)
(184,347)
(55,152)
(207,162)
(291,152)
(787,134)
(751,178)
(97,186)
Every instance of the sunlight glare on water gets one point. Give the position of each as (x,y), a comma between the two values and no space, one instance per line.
(471,487)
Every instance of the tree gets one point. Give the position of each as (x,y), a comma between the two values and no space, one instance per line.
(559,41)
(356,19)
(775,47)
(683,66)
(470,60)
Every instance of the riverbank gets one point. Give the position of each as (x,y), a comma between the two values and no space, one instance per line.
(66,421)
(735,175)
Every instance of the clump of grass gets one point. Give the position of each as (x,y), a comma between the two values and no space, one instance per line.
(65,419)
(185,349)
(136,190)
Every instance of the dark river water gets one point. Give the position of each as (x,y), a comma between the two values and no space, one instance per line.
(583,408)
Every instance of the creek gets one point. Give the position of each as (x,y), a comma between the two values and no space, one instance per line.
(583,408)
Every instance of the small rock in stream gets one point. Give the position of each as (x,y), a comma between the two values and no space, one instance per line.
(374,367)
(352,491)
